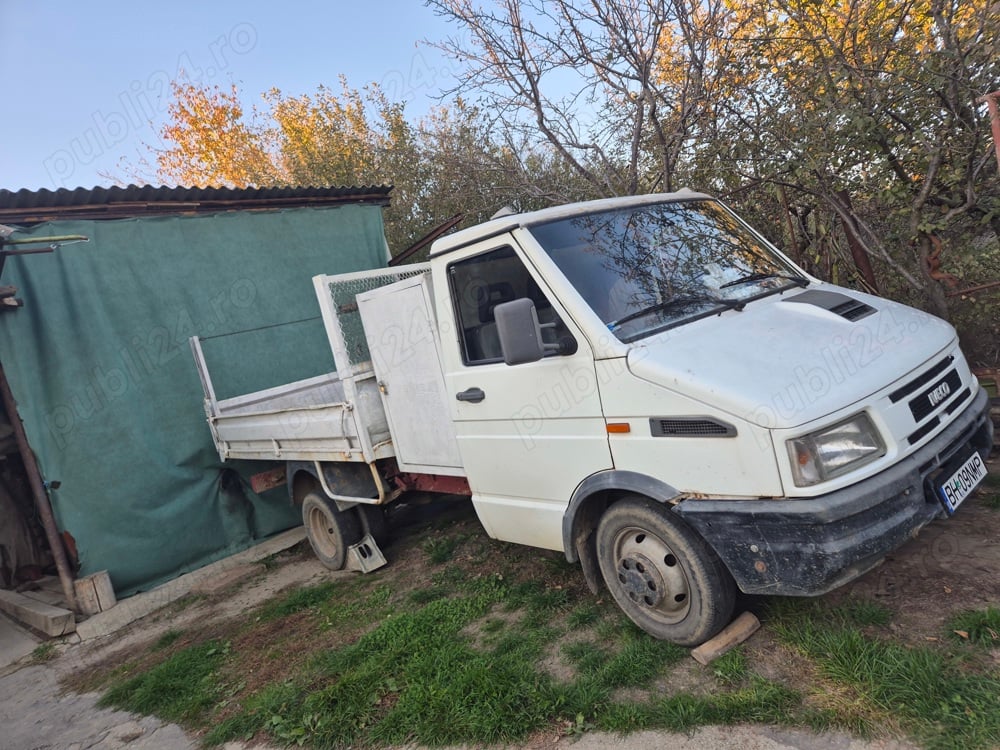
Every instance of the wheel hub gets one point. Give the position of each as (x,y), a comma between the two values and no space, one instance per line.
(643,582)
(322,533)
(651,576)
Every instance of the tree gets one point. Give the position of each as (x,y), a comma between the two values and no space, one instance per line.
(586,81)
(449,162)
(211,142)
(852,122)
(864,109)
(356,137)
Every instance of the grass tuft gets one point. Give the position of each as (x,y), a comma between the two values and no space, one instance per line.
(441,549)
(182,688)
(583,615)
(307,597)
(978,626)
(990,493)
(864,613)
(44,652)
(730,668)
(167,639)
(941,705)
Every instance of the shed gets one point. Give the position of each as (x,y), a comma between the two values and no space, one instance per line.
(98,362)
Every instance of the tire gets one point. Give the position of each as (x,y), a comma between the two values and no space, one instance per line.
(374,522)
(662,574)
(329,530)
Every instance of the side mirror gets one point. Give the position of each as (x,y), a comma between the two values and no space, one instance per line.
(519,331)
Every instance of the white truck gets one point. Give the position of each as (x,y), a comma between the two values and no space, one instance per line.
(645,384)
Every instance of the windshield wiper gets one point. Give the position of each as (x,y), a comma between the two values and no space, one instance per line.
(678,303)
(798,280)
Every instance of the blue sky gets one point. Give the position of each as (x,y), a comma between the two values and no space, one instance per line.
(82,81)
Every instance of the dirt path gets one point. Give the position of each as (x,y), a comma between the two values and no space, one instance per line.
(34,716)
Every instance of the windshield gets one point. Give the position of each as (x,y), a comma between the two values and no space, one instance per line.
(647,268)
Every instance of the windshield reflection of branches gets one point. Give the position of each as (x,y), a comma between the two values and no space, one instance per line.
(635,259)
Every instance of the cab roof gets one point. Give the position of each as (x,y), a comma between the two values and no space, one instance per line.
(503,224)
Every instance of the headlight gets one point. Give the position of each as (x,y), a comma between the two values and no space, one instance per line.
(834,450)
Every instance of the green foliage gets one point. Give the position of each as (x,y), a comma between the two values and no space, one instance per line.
(307,597)
(167,639)
(990,494)
(978,626)
(761,701)
(429,594)
(584,614)
(182,688)
(44,652)
(270,709)
(470,660)
(864,612)
(730,668)
(940,703)
(440,549)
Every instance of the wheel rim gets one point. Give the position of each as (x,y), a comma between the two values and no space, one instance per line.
(322,532)
(649,574)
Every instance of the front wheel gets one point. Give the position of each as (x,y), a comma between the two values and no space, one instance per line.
(662,574)
(330,531)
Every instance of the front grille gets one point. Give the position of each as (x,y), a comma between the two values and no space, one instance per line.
(959,400)
(941,392)
(903,391)
(925,430)
(954,404)
(690,427)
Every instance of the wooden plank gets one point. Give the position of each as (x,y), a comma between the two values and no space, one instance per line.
(53,621)
(732,635)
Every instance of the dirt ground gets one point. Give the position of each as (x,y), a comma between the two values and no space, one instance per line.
(952,566)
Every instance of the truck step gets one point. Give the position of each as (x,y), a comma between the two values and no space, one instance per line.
(365,556)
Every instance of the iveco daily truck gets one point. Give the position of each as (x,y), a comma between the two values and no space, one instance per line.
(645,384)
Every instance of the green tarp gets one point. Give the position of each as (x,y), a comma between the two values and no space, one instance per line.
(99,363)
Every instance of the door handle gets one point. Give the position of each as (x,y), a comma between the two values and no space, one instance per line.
(475,395)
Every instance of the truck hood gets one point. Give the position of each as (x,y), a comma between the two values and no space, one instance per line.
(783,362)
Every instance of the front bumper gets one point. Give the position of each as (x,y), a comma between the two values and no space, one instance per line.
(809,546)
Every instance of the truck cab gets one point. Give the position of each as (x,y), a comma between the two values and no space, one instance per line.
(651,387)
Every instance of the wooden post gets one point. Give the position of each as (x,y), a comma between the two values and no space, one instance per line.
(94,593)
(38,490)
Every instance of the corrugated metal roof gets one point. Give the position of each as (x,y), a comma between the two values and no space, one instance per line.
(27,207)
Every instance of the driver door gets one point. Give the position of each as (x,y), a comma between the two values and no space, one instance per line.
(527,434)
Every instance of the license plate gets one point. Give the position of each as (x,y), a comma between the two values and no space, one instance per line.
(962,483)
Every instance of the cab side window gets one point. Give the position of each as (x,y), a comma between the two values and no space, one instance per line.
(478,285)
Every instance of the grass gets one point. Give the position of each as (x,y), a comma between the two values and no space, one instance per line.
(495,648)
(939,702)
(307,597)
(44,652)
(182,688)
(167,639)
(991,491)
(977,626)
(440,550)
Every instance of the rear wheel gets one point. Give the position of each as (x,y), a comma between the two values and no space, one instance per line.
(662,574)
(330,531)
